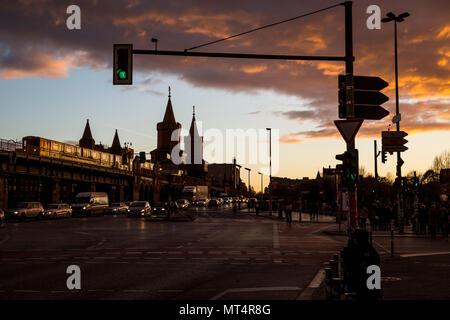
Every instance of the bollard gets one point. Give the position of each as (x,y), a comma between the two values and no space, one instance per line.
(392,243)
(328,280)
(336,260)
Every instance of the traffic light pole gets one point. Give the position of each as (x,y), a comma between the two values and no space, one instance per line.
(399,160)
(349,58)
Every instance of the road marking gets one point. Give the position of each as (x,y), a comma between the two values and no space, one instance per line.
(276,237)
(424,254)
(27,291)
(170,290)
(314,284)
(258,289)
(384,249)
(135,291)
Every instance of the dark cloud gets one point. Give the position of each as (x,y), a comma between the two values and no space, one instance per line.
(34,41)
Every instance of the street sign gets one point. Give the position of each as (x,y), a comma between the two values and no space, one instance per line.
(391,149)
(364,91)
(348,128)
(393,141)
(393,134)
(369,83)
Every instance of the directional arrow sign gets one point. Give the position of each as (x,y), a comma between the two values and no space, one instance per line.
(348,128)
(365,95)
(369,83)
(394,148)
(393,134)
(394,141)
(370,112)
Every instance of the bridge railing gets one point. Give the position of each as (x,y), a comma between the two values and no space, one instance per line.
(10,145)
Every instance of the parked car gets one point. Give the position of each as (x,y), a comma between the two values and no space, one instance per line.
(56,210)
(2,216)
(160,208)
(183,203)
(202,202)
(90,203)
(24,210)
(118,208)
(140,209)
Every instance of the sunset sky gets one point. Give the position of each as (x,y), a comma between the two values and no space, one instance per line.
(52,79)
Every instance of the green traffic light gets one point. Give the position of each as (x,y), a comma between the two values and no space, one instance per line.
(122,74)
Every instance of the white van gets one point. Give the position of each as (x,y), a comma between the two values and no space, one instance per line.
(90,203)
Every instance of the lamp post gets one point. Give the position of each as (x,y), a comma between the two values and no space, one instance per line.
(270,174)
(262,191)
(392,17)
(248,169)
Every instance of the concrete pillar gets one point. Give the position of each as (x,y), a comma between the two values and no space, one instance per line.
(121,193)
(56,191)
(3,192)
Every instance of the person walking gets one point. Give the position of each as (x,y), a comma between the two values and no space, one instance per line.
(443,217)
(288,211)
(363,214)
(423,218)
(433,220)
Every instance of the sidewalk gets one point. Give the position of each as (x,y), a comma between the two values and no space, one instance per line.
(295,216)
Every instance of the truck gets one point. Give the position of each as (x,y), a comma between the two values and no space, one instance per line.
(195,193)
(90,203)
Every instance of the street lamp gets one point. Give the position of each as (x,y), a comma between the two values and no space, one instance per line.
(248,169)
(262,191)
(399,18)
(270,174)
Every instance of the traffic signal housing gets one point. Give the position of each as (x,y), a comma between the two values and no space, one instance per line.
(123,64)
(349,167)
(383,156)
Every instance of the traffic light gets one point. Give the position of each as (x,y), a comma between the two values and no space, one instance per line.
(123,64)
(416,182)
(349,166)
(383,156)
(345,96)
(352,172)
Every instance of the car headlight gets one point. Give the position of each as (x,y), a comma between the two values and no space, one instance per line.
(142,211)
(114,209)
(84,208)
(16,212)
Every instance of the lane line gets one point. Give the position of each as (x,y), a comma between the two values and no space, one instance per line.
(424,254)
(314,284)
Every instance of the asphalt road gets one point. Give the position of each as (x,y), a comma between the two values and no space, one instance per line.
(220,255)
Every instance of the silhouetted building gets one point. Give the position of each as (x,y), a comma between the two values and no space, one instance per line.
(86,140)
(166,128)
(115,147)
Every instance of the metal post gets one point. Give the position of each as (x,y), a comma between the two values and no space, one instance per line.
(397,112)
(375,156)
(349,72)
(270,174)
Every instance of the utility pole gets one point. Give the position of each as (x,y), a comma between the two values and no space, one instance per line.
(349,58)
(270,170)
(262,190)
(375,154)
(399,18)
(248,169)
